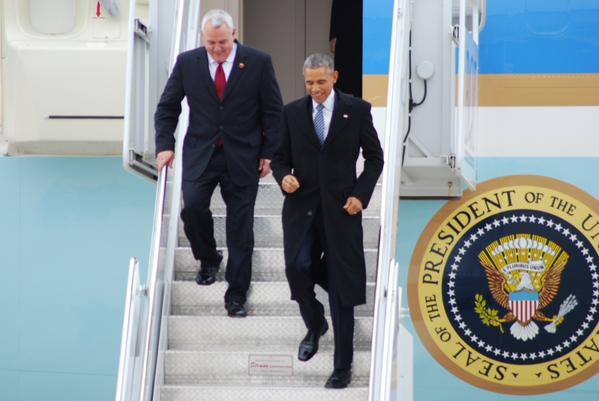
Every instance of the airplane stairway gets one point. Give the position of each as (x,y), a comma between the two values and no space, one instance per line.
(211,356)
(178,344)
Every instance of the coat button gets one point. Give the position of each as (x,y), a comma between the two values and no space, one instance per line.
(220,127)
(309,213)
(221,108)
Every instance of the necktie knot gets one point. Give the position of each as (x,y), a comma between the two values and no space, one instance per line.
(319,107)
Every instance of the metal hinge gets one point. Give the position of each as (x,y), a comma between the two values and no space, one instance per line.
(451,161)
(455,34)
(141,30)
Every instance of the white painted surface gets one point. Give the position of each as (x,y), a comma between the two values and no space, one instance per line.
(52,17)
(530,131)
(378,118)
(538,132)
(62,94)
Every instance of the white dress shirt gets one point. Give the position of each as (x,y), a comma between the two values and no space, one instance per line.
(227,64)
(327,112)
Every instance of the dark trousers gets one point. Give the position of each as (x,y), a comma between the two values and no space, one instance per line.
(199,225)
(308,269)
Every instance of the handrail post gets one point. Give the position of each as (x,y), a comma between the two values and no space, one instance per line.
(129,338)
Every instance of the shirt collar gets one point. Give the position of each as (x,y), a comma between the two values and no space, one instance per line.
(229,59)
(328,103)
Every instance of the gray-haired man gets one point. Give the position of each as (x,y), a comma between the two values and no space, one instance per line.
(235,108)
(321,137)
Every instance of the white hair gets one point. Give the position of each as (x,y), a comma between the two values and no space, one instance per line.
(217,18)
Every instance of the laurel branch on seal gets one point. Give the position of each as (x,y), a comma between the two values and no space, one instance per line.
(488,316)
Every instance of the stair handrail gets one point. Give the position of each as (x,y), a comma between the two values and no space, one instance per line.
(395,123)
(165,233)
(155,291)
(185,37)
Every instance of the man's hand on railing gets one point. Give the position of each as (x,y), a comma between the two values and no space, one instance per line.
(166,157)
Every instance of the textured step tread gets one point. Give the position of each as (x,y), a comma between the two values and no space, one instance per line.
(268,230)
(204,367)
(268,264)
(264,299)
(257,393)
(256,333)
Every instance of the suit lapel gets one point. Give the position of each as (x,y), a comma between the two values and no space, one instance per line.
(236,72)
(340,118)
(205,73)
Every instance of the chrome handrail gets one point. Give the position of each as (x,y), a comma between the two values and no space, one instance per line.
(394,292)
(483,15)
(149,349)
(146,376)
(396,118)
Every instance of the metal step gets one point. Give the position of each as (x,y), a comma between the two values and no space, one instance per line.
(264,299)
(268,230)
(231,368)
(270,197)
(213,357)
(259,333)
(248,393)
(268,264)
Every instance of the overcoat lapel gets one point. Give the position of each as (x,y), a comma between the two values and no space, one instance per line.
(205,73)
(340,118)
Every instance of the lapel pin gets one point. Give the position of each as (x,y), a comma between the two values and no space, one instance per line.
(345,116)
(241,66)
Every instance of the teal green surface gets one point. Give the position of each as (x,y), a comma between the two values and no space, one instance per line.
(69,227)
(431,380)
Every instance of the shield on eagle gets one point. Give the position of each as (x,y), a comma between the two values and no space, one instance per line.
(524,305)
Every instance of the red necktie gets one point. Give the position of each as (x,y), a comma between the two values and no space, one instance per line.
(220,82)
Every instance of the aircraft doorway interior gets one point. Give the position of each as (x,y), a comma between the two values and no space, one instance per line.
(290,30)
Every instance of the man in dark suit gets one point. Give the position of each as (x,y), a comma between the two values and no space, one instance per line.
(315,165)
(235,107)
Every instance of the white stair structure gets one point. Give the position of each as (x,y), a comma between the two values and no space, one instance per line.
(210,356)
(178,344)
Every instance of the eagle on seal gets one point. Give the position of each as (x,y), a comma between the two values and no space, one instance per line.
(524,274)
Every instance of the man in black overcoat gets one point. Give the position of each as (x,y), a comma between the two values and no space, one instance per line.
(315,165)
(235,108)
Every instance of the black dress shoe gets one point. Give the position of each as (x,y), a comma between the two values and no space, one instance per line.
(207,273)
(309,345)
(235,309)
(340,378)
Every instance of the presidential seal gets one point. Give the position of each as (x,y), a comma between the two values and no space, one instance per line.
(504,286)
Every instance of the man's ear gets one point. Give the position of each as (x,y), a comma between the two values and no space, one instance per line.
(335,76)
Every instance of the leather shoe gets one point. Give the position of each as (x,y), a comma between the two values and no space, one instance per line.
(309,345)
(340,378)
(207,273)
(235,309)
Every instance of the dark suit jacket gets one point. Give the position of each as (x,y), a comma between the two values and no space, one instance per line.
(327,177)
(247,119)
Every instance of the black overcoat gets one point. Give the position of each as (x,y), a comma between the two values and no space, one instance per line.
(246,119)
(327,177)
